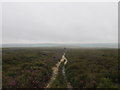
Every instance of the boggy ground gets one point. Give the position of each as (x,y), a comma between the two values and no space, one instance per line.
(93,68)
(85,68)
(28,67)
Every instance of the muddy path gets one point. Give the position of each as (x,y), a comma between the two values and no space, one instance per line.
(55,72)
(64,74)
(65,78)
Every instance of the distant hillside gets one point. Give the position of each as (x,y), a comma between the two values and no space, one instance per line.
(71,45)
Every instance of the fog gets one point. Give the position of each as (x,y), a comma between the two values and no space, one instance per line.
(61,22)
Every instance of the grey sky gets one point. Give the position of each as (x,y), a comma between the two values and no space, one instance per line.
(60,22)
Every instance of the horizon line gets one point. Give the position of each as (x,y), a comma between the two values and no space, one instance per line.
(66,43)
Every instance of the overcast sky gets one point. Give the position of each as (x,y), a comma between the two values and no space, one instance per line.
(60,22)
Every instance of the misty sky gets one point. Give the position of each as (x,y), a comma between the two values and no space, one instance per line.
(60,22)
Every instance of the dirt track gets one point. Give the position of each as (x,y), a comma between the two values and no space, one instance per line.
(55,72)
